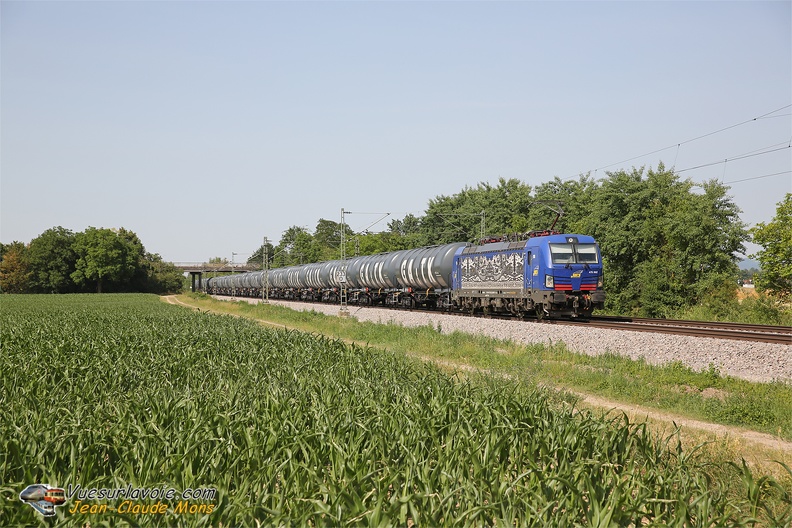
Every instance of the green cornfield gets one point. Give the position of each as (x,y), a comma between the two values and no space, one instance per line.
(294,429)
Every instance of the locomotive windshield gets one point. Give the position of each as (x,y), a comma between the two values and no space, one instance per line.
(574,253)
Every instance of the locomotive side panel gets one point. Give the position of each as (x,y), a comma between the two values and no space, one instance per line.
(498,270)
(492,277)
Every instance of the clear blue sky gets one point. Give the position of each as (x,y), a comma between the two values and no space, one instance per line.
(204,126)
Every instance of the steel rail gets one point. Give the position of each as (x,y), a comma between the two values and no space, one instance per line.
(704,324)
(715,330)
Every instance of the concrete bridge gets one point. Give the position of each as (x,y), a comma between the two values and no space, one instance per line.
(197,269)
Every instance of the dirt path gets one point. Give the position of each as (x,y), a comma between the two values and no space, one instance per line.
(753,446)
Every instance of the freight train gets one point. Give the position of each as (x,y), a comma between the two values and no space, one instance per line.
(548,274)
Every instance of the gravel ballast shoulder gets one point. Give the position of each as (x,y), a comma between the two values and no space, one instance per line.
(763,362)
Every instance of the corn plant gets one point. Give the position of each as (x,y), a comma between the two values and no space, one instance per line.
(297,429)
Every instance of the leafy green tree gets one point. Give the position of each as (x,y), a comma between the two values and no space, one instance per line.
(161,277)
(327,240)
(460,217)
(257,257)
(775,257)
(573,197)
(295,247)
(664,246)
(59,261)
(52,261)
(218,261)
(15,269)
(151,274)
(709,236)
(371,243)
(303,250)
(503,205)
(104,257)
(139,281)
(406,233)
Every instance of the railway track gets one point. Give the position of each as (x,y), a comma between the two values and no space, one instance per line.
(738,331)
(716,330)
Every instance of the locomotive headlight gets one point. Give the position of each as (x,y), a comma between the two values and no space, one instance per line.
(600,282)
(548,281)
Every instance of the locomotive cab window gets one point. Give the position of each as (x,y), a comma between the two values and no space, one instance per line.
(562,253)
(574,253)
(586,253)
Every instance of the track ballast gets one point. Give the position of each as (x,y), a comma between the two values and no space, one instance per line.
(714,330)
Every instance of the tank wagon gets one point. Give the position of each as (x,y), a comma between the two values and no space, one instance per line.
(550,275)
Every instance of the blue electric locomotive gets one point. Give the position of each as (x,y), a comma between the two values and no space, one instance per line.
(558,275)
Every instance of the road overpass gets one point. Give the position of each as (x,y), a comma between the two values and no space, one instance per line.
(197,269)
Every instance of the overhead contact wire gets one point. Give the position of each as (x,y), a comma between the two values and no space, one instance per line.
(743,156)
(678,145)
(760,177)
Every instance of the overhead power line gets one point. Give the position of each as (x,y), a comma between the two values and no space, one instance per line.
(768,115)
(760,177)
(735,158)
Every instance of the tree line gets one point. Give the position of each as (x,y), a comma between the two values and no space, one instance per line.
(666,243)
(95,260)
